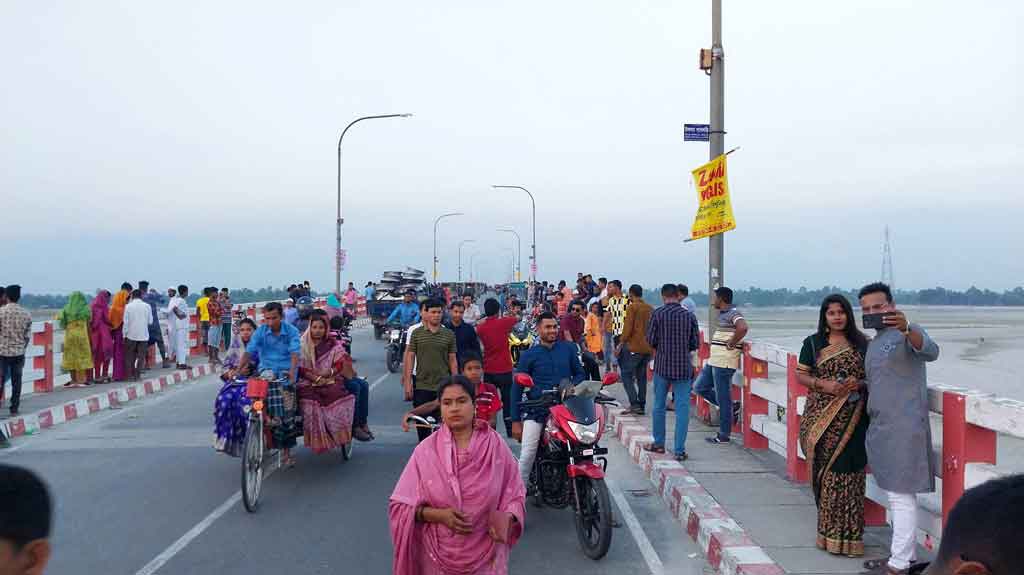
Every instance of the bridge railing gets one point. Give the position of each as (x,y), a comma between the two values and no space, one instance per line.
(43,372)
(968,423)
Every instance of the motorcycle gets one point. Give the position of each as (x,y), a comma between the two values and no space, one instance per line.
(396,347)
(569,469)
(521,338)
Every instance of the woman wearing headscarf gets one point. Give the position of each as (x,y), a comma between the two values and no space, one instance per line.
(458,506)
(77,356)
(327,406)
(116,316)
(229,417)
(99,334)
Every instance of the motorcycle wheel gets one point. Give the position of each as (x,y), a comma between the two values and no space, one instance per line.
(394,361)
(252,463)
(594,517)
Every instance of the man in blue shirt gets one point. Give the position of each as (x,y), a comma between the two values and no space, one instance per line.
(407,312)
(548,364)
(369,291)
(276,343)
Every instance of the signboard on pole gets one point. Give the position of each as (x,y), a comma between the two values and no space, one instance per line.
(696,132)
(714,212)
(342,256)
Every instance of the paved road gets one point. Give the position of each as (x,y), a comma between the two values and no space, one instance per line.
(140,490)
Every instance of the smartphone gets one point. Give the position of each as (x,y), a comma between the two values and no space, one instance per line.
(874,320)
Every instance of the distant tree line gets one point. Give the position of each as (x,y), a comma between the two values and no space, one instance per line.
(241,295)
(812,297)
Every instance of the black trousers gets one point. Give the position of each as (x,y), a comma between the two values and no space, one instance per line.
(503,381)
(419,397)
(12,367)
(591,367)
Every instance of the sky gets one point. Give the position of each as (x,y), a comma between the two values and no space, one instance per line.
(196,142)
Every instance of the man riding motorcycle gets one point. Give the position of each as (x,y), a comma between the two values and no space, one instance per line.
(548,363)
(407,312)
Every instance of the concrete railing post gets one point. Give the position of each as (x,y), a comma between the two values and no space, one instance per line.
(752,404)
(796,468)
(44,362)
(962,443)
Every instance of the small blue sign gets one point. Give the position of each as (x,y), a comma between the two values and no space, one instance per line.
(696,132)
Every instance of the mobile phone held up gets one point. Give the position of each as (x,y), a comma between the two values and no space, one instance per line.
(875,320)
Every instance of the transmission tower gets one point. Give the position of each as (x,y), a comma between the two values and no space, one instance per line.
(887,261)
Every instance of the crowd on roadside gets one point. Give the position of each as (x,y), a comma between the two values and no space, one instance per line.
(867,396)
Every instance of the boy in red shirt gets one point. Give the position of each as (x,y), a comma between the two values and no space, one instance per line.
(493,332)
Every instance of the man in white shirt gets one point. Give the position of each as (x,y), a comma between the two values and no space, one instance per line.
(177,320)
(168,320)
(472,312)
(137,317)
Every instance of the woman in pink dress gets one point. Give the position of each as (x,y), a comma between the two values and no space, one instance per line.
(99,336)
(458,506)
(327,406)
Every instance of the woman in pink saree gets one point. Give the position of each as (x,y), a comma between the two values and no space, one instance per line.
(327,407)
(458,506)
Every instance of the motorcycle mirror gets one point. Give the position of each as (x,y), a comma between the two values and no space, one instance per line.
(524,380)
(610,378)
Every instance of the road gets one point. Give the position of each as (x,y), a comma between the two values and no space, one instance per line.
(140,491)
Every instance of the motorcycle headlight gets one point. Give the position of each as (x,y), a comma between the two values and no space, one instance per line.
(586,434)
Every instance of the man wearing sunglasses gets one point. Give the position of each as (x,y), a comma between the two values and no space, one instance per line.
(570,328)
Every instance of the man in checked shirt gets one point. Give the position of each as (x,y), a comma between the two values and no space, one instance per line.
(672,333)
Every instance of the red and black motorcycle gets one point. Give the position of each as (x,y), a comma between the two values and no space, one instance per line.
(569,468)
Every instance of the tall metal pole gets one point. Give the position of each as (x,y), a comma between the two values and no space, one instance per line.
(533,246)
(471,257)
(519,252)
(439,218)
(462,243)
(337,253)
(716,244)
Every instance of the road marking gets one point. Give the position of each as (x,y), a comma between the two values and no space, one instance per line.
(378,380)
(176,547)
(646,549)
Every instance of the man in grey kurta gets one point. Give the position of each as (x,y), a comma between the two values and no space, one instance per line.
(899,439)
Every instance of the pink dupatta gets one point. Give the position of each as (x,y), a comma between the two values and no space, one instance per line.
(487,482)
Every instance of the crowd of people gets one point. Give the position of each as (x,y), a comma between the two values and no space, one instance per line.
(866,403)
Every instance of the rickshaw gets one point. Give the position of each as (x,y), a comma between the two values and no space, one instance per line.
(256,450)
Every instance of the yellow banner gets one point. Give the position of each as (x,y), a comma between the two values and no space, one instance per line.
(714,214)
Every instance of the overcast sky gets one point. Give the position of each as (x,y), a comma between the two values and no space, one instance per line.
(196,141)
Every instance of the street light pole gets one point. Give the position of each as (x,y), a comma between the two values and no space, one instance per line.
(533,246)
(462,243)
(716,244)
(337,254)
(519,251)
(471,257)
(438,220)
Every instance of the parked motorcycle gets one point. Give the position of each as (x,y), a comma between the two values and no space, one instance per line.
(569,469)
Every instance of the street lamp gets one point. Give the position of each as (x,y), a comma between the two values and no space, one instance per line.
(471,265)
(519,248)
(337,255)
(438,220)
(462,243)
(512,260)
(533,246)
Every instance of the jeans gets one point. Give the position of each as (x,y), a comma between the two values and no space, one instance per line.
(503,381)
(213,337)
(634,377)
(714,383)
(12,366)
(590,366)
(528,451)
(158,338)
(609,351)
(904,529)
(360,388)
(681,389)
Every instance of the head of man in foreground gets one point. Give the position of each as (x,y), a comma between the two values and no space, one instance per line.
(25,515)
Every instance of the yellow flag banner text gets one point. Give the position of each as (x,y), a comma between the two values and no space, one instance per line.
(714,214)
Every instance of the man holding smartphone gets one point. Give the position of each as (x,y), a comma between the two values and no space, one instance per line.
(899,439)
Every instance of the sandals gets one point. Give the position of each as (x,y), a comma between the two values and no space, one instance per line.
(654,448)
(881,566)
